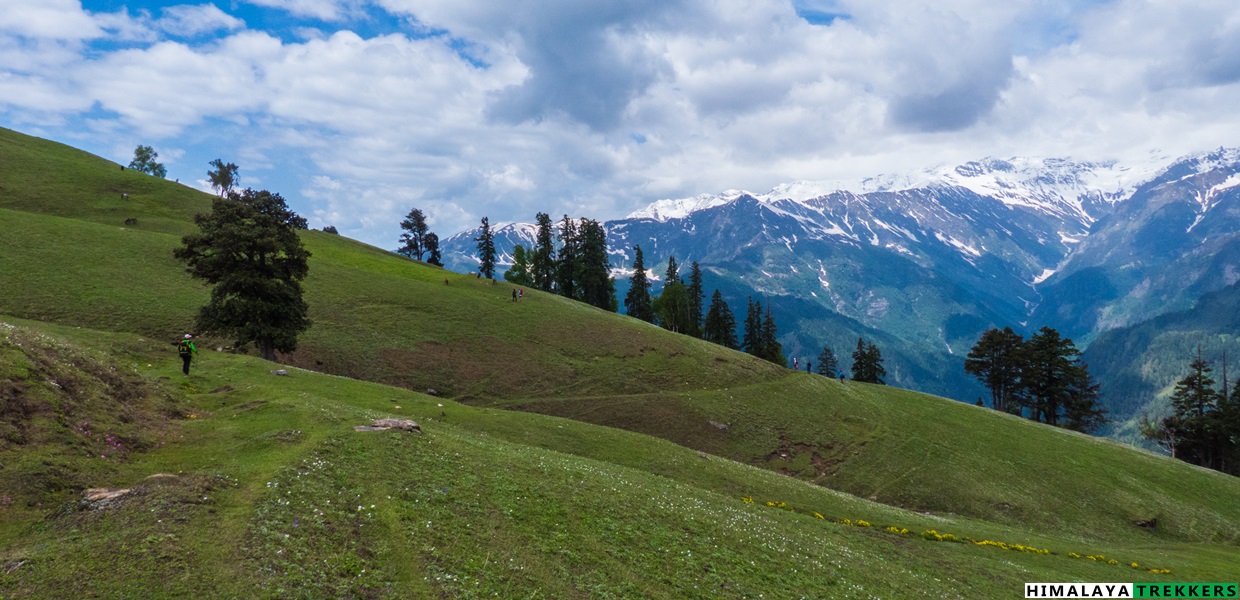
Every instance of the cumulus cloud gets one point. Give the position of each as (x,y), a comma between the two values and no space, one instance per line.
(193,20)
(596,109)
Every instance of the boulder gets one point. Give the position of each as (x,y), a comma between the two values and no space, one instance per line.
(389,424)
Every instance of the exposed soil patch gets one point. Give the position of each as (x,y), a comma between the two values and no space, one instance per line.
(807,461)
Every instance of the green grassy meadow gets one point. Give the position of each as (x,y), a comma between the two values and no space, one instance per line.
(569,452)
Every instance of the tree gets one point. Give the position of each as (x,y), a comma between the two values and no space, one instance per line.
(486,249)
(720,326)
(695,300)
(330,229)
(566,262)
(144,161)
(868,363)
(672,307)
(751,329)
(432,246)
(223,178)
(771,349)
(673,271)
(519,272)
(542,263)
(594,283)
(1195,402)
(995,360)
(637,303)
(1081,411)
(827,363)
(248,249)
(413,240)
(1048,372)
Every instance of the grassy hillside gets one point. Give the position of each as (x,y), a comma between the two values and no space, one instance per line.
(64,259)
(253,481)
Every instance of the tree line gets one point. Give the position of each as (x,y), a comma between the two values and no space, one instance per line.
(1041,378)
(1204,427)
(569,260)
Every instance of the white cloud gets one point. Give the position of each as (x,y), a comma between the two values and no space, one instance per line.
(193,20)
(48,19)
(324,10)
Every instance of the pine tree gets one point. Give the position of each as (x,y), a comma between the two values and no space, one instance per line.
(542,263)
(637,303)
(772,350)
(827,363)
(720,326)
(1047,374)
(868,363)
(673,271)
(249,250)
(752,335)
(1081,411)
(1196,405)
(432,247)
(413,240)
(519,272)
(995,360)
(594,283)
(566,263)
(486,249)
(696,295)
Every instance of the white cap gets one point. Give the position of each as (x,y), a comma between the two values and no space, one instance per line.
(187,336)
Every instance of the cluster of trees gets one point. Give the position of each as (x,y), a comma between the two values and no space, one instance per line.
(867,363)
(1042,375)
(249,250)
(578,269)
(1204,428)
(679,308)
(417,240)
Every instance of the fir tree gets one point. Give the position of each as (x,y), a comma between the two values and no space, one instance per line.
(673,271)
(772,350)
(827,363)
(868,363)
(594,283)
(486,249)
(249,251)
(542,263)
(995,360)
(695,300)
(566,263)
(637,303)
(519,272)
(751,338)
(1047,374)
(413,240)
(432,247)
(720,326)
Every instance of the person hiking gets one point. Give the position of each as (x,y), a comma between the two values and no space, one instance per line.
(520,293)
(186,349)
(841,376)
(514,295)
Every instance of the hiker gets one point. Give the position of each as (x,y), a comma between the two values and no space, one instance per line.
(841,376)
(187,351)
(520,293)
(796,363)
(808,364)
(514,295)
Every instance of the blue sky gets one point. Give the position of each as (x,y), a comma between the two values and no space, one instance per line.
(358,110)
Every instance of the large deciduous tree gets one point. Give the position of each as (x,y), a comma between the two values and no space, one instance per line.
(223,177)
(144,161)
(248,248)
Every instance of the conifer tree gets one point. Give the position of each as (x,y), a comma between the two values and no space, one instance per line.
(1195,402)
(486,249)
(637,303)
(413,240)
(772,350)
(566,263)
(751,337)
(868,363)
(827,363)
(995,360)
(695,300)
(673,271)
(542,263)
(720,326)
(432,247)
(594,283)
(249,250)
(1048,372)
(519,272)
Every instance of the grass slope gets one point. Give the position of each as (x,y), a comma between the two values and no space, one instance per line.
(268,492)
(389,320)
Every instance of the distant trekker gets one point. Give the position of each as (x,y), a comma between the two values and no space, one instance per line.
(514,295)
(187,351)
(841,376)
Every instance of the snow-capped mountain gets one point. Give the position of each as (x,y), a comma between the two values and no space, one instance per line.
(934,257)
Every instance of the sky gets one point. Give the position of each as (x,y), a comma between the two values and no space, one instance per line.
(357,111)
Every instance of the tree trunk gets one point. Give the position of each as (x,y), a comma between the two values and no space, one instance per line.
(267,350)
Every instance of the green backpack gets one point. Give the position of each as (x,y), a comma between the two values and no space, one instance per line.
(185,348)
